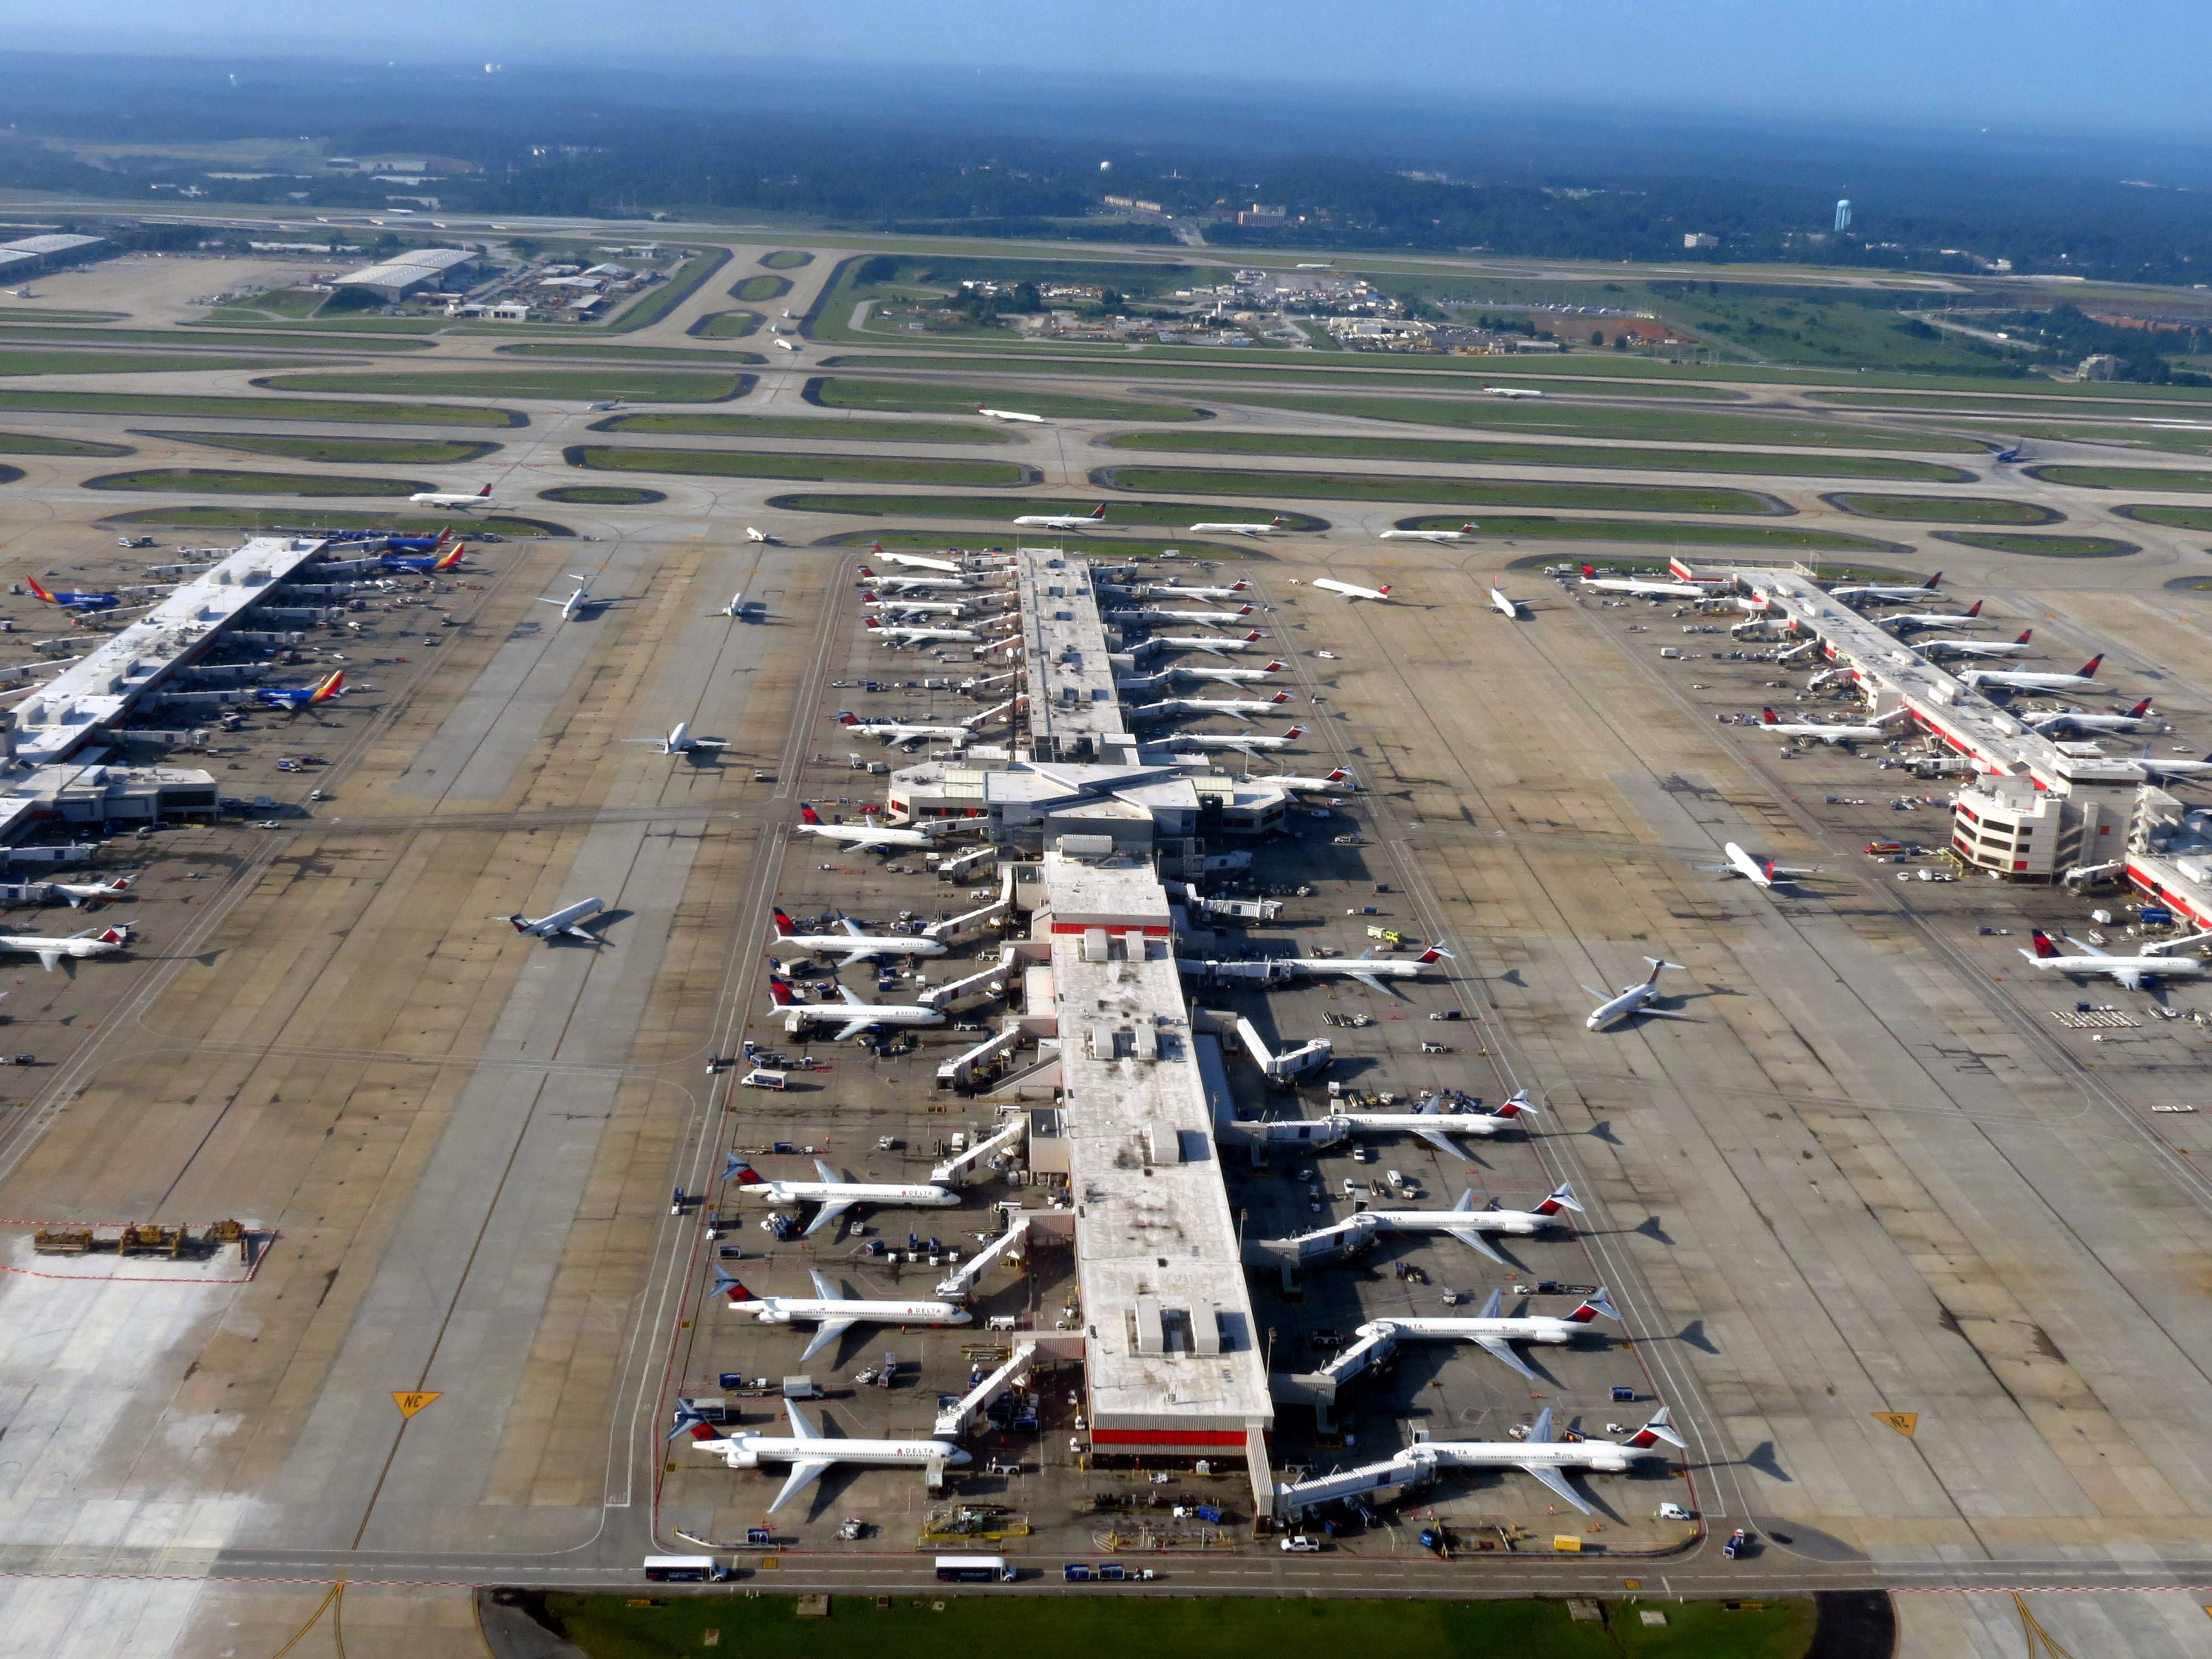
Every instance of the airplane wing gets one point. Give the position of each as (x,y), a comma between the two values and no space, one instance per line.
(2085,947)
(1662,1013)
(1555,1478)
(830,1331)
(546,601)
(828,1172)
(828,1214)
(805,1471)
(49,959)
(1475,1239)
(855,957)
(851,925)
(577,930)
(852,1000)
(2128,979)
(850,1030)
(822,1287)
(710,743)
(1442,1140)
(1375,984)
(1499,1348)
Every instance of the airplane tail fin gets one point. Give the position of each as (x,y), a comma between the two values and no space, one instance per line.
(1254,636)
(2026,635)
(688,1416)
(783,926)
(736,1168)
(1280,696)
(2044,947)
(1384,590)
(1769,869)
(1562,1198)
(1294,731)
(1279,521)
(118,935)
(445,535)
(1589,571)
(1660,1427)
(807,814)
(1975,608)
(1515,1103)
(1768,717)
(847,717)
(1597,1301)
(871,623)
(521,923)
(1274,668)
(484,494)
(2140,709)
(330,688)
(39,592)
(729,1284)
(1657,964)
(1098,513)
(2089,668)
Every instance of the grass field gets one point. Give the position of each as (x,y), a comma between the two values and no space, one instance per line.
(2123,477)
(1944,509)
(31,443)
(209,481)
(1650,425)
(725,325)
(813,469)
(257,409)
(630,353)
(2046,547)
(123,362)
(799,426)
(1112,547)
(1004,508)
(916,397)
(338,447)
(1473,451)
(163,337)
(1185,1627)
(314,518)
(295,303)
(757,290)
(688,278)
(645,386)
(2173,518)
(1653,530)
(602,495)
(786,258)
(1457,492)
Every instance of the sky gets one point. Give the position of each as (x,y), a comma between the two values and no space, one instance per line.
(2029,65)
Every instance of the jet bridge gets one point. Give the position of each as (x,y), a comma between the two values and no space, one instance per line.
(961,929)
(1411,1467)
(961,1068)
(971,990)
(1287,1067)
(1373,1348)
(955,1168)
(967,1274)
(956,866)
(953,1420)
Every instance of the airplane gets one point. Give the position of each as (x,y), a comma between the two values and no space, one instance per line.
(1631,1000)
(1010,415)
(1641,588)
(1063,520)
(875,838)
(1888,594)
(1774,726)
(853,945)
(680,741)
(1490,1332)
(1367,967)
(419,543)
(2063,719)
(77,604)
(850,1015)
(92,942)
(810,1454)
(2005,456)
(786,345)
(81,893)
(1267,529)
(735,608)
(564,920)
(836,1313)
(1228,676)
(1439,1129)
(1250,744)
(1909,620)
(575,605)
(2008,679)
(1179,591)
(1187,642)
(432,563)
(1351,589)
(1547,1458)
(1203,619)
(896,732)
(1505,607)
(1512,391)
(2130,972)
(2173,769)
(899,636)
(1339,779)
(833,1191)
(1976,647)
(761,535)
(1235,707)
(902,582)
(445,498)
(1458,535)
(1762,873)
(917,560)
(294,698)
(918,607)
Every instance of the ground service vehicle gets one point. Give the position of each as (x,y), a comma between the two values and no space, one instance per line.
(974,1569)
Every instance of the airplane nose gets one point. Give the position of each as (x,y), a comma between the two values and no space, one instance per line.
(958,1458)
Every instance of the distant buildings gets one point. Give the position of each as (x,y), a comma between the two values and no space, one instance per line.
(408,272)
(1258,214)
(1842,215)
(1698,239)
(2102,366)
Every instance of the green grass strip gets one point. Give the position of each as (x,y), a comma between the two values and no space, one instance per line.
(158,336)
(256,408)
(1004,509)
(916,397)
(759,289)
(818,428)
(1459,492)
(2124,478)
(1665,425)
(1943,509)
(813,469)
(123,362)
(29,443)
(2173,518)
(1510,526)
(276,519)
(630,353)
(725,325)
(210,481)
(2046,547)
(786,258)
(592,385)
(338,448)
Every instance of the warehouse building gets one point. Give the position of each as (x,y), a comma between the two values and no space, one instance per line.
(411,272)
(34,256)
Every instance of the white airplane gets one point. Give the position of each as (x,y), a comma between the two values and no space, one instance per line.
(1759,872)
(1774,726)
(1267,529)
(680,741)
(1228,676)
(562,921)
(1975,647)
(853,945)
(1010,415)
(2173,769)
(833,1312)
(1641,588)
(1512,391)
(82,893)
(896,635)
(894,731)
(1251,744)
(810,1454)
(1505,607)
(92,942)
(1493,1333)
(848,1014)
(1152,614)
(917,561)
(899,581)
(1177,590)
(1063,520)
(1547,1458)
(833,1191)
(1187,642)
(2130,972)
(1912,620)
(2013,679)
(1888,594)
(761,535)
(1338,782)
(735,608)
(874,837)
(1367,967)
(1439,1129)
(575,604)
(1235,707)
(898,607)
(785,345)
(453,498)
(1351,590)
(1458,535)
(2065,720)
(1631,1000)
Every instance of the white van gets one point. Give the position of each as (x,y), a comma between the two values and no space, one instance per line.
(761,1078)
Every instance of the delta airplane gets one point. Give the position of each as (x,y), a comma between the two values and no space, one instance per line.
(565,921)
(1063,520)
(575,604)
(1351,590)
(1510,609)
(849,1014)
(1642,589)
(1512,391)
(294,698)
(2075,721)
(1911,620)
(1235,707)
(82,893)
(1631,1000)
(1494,1333)
(1178,591)
(1458,535)
(1203,619)
(1339,779)
(893,731)
(853,945)
(874,837)
(1759,872)
(896,607)
(761,536)
(1251,744)
(1439,1129)
(1774,726)
(2130,972)
(1267,529)
(1229,675)
(833,1191)
(809,1453)
(1976,647)
(2009,680)
(2173,769)
(1367,967)
(92,942)
(901,582)
(1547,1458)
(833,1312)
(1010,415)
(896,636)
(680,741)
(1888,595)
(1187,642)
(453,498)
(917,560)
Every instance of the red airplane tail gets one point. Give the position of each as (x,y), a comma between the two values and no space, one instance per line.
(807,814)
(1098,513)
(2140,709)
(2025,633)
(1280,696)
(329,689)
(1384,590)
(1254,635)
(1769,869)
(1767,717)
(116,936)
(1975,608)
(1339,775)
(1274,668)
(2089,668)
(779,992)
(784,929)
(1295,731)
(1239,585)
(485,493)
(1589,571)
(39,592)
(1934,582)
(2044,947)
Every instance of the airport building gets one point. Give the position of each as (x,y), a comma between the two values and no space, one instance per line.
(34,256)
(408,273)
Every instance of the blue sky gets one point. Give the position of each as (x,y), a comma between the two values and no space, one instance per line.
(2026,64)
